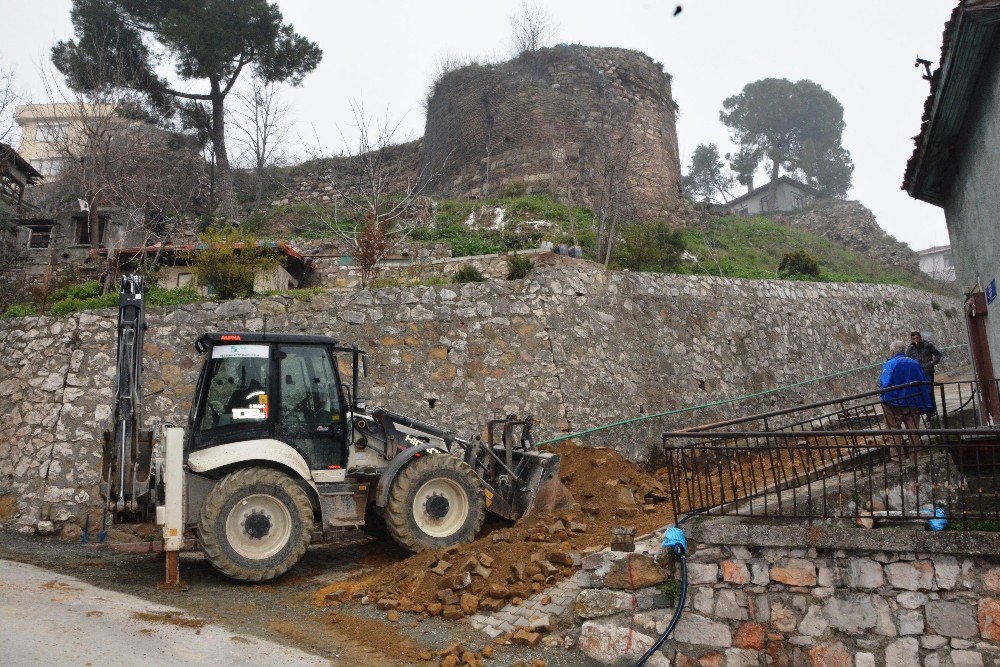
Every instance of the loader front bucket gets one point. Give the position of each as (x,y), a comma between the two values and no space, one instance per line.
(550,494)
(520,479)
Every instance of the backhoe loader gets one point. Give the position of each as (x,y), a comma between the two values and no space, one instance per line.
(278,449)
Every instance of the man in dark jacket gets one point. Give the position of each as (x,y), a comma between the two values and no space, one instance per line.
(902,406)
(928,356)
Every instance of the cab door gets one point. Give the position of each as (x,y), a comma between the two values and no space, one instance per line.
(310,414)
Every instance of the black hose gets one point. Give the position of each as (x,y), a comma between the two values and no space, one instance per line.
(677,613)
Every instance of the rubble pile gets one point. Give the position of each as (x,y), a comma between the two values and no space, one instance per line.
(510,563)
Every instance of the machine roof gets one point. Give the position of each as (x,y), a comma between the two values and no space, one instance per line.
(208,340)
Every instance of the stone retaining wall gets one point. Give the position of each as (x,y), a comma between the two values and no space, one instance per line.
(575,346)
(771,595)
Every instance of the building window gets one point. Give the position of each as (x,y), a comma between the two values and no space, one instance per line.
(50,133)
(744,211)
(946,258)
(764,202)
(39,236)
(83,230)
(798,201)
(48,166)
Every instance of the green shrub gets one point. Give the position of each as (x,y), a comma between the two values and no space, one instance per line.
(798,263)
(518,266)
(20,310)
(72,305)
(435,280)
(469,274)
(87,290)
(650,247)
(379,283)
(172,297)
(228,259)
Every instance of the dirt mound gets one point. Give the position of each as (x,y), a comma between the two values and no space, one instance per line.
(509,563)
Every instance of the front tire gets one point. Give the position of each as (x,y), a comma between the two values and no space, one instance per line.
(255,524)
(436,501)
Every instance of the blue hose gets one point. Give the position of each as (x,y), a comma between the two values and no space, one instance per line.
(673,539)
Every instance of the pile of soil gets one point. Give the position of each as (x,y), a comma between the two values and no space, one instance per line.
(509,563)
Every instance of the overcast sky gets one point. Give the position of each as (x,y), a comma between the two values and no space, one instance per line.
(385,52)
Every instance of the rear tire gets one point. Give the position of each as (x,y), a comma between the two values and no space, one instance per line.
(255,524)
(436,501)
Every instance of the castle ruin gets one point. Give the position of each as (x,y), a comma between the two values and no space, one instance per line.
(571,121)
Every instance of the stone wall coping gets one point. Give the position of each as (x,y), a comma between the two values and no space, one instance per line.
(729,532)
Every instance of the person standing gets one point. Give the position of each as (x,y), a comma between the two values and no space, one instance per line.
(902,405)
(928,356)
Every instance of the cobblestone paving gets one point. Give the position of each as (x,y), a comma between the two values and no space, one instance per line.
(531,611)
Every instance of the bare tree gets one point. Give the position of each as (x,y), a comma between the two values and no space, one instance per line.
(261,123)
(616,173)
(379,195)
(531,27)
(114,154)
(8,101)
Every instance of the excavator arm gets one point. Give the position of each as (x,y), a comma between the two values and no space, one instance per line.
(125,473)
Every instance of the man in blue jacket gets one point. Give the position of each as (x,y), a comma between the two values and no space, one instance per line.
(902,406)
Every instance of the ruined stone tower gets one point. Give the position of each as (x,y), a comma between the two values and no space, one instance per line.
(566,121)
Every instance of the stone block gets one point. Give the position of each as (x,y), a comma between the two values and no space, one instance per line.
(911,622)
(851,615)
(634,572)
(989,618)
(933,642)
(951,619)
(864,660)
(750,636)
(731,604)
(814,623)
(967,658)
(695,629)
(606,643)
(829,654)
(595,602)
(760,573)
(704,599)
(735,573)
(911,575)
(911,600)
(782,618)
(991,580)
(703,573)
(946,572)
(864,573)
(903,652)
(796,572)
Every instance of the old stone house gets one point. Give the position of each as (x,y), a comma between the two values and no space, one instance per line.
(788,194)
(954,165)
(174,264)
(16,174)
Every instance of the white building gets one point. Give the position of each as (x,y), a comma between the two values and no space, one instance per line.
(790,195)
(937,263)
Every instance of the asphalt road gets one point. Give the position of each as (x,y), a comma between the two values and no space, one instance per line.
(51,618)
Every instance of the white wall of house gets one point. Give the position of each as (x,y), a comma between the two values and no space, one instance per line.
(789,198)
(937,263)
(172,277)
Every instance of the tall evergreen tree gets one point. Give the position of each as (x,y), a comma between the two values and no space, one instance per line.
(206,40)
(796,127)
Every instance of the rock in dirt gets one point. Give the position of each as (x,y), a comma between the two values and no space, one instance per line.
(469,604)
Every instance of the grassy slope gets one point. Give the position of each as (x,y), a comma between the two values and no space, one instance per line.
(732,246)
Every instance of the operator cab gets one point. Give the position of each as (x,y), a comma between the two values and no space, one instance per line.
(278,387)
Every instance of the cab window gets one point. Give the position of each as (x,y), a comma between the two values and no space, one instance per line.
(238,380)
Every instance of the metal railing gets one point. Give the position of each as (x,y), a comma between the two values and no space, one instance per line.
(840,459)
